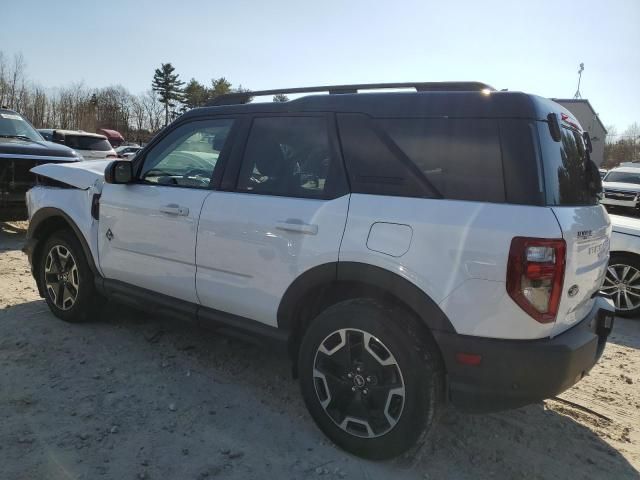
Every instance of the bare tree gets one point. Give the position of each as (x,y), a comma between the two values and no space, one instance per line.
(154,110)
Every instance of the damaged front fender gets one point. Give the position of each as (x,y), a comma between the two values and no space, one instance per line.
(52,208)
(82,175)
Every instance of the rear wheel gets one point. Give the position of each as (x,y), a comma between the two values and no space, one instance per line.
(68,282)
(622,284)
(370,382)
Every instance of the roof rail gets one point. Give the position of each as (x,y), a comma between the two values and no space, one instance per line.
(244,97)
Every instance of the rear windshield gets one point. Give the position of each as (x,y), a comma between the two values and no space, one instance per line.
(570,177)
(623,177)
(80,142)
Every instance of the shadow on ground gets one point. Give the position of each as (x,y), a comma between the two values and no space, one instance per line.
(132,395)
(626,331)
(12,235)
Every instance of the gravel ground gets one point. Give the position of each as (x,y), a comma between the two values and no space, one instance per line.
(131,396)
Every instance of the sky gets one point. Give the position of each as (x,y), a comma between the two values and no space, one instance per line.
(533,46)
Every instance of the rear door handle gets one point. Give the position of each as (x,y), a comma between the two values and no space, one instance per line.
(294,225)
(174,209)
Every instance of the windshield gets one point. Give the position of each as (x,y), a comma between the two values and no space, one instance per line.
(82,142)
(570,177)
(623,177)
(12,124)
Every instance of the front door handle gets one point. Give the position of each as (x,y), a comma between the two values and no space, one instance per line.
(295,225)
(174,209)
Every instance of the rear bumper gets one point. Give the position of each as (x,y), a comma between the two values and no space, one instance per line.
(513,373)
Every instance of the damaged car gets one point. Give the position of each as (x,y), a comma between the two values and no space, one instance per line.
(409,250)
(21,149)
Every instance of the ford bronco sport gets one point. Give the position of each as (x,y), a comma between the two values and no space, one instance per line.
(411,249)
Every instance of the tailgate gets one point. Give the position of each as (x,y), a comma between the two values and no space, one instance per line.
(587,231)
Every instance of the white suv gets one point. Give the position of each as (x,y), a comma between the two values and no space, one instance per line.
(92,146)
(409,248)
(622,187)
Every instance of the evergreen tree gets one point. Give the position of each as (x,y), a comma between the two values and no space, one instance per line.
(168,86)
(281,97)
(195,94)
(219,86)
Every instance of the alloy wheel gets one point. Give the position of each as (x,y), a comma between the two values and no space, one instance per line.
(622,284)
(358,383)
(62,280)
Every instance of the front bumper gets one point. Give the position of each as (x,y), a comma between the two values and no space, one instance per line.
(513,373)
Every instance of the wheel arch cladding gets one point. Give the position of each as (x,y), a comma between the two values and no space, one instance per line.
(45,222)
(327,284)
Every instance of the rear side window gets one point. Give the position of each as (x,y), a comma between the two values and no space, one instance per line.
(80,142)
(288,156)
(375,164)
(569,174)
(420,157)
(460,157)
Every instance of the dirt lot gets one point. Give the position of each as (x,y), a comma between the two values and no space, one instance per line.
(129,396)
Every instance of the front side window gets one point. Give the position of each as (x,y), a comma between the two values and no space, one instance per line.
(288,156)
(187,156)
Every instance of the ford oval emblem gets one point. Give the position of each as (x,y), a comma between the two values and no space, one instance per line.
(573,291)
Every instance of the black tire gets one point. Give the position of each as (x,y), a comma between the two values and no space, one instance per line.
(418,363)
(618,261)
(86,299)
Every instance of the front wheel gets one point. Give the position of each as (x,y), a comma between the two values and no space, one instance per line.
(622,284)
(369,379)
(67,280)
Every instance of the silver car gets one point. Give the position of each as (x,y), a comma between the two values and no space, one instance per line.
(622,282)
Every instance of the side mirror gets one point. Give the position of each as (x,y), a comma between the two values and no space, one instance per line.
(119,172)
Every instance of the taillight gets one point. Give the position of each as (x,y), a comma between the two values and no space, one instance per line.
(535,274)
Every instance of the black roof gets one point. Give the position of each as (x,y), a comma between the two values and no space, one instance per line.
(482,103)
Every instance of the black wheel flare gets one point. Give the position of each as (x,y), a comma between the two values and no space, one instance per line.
(358,383)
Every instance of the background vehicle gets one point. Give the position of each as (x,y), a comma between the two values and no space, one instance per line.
(603,172)
(127,151)
(91,146)
(622,187)
(114,137)
(404,255)
(622,282)
(47,133)
(22,148)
